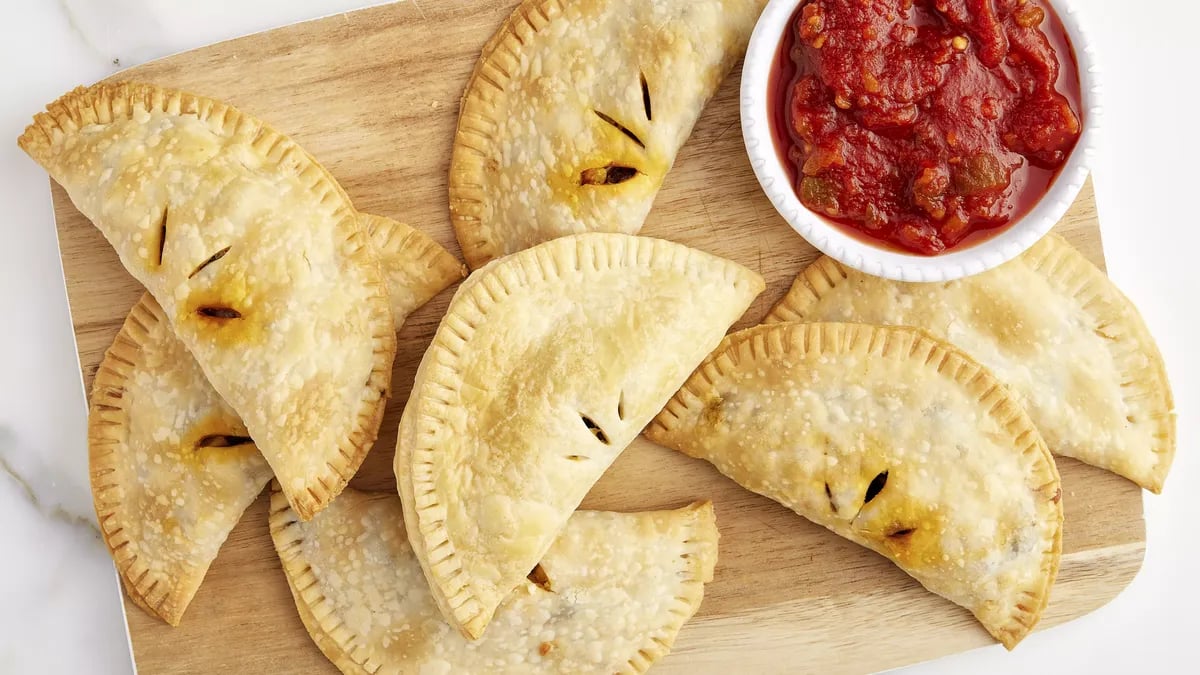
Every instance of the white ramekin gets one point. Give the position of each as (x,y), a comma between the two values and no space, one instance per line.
(831,240)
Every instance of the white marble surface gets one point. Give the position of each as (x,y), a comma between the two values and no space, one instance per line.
(59,604)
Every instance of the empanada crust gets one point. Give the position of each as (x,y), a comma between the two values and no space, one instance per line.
(1051,326)
(546,366)
(415,267)
(575,113)
(254,253)
(172,467)
(894,440)
(616,589)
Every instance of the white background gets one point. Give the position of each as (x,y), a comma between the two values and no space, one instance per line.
(59,608)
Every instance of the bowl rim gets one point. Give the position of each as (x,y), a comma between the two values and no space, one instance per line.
(1017,237)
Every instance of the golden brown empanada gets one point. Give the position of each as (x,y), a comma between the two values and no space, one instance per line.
(1051,326)
(608,597)
(576,111)
(894,440)
(172,465)
(548,363)
(254,253)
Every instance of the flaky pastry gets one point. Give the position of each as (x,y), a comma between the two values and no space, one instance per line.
(1051,326)
(609,596)
(548,363)
(894,440)
(172,465)
(256,257)
(576,111)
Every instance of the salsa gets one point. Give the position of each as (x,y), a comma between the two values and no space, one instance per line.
(925,124)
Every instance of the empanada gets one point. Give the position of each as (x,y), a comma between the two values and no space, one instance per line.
(254,253)
(576,111)
(608,597)
(1051,326)
(172,465)
(894,440)
(548,363)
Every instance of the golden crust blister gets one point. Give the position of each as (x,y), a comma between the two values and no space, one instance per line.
(172,467)
(254,253)
(1051,326)
(894,440)
(546,366)
(575,113)
(167,452)
(610,595)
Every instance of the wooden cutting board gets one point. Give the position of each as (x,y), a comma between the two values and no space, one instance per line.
(374,95)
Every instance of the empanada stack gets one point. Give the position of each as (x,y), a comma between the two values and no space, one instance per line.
(548,363)
(1051,326)
(256,257)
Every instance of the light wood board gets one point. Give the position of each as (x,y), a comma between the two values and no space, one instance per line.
(374,95)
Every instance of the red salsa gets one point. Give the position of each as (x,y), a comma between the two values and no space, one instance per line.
(925,124)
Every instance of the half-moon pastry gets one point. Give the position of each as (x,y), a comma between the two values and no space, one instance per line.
(608,597)
(576,111)
(894,440)
(548,363)
(1051,326)
(256,257)
(172,465)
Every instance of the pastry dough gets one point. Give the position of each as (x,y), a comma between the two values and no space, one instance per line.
(254,253)
(576,111)
(172,465)
(893,440)
(415,267)
(546,366)
(1051,326)
(608,597)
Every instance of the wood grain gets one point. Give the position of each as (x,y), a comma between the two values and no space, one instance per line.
(375,99)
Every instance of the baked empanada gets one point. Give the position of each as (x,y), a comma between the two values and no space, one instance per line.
(608,597)
(576,111)
(891,439)
(548,363)
(172,465)
(1051,326)
(254,253)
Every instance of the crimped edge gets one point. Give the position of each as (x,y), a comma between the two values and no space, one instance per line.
(164,596)
(415,460)
(701,556)
(104,102)
(771,341)
(333,639)
(1117,322)
(157,594)
(476,122)
(352,655)
(1119,325)
(394,241)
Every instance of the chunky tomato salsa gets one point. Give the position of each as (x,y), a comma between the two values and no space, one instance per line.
(925,124)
